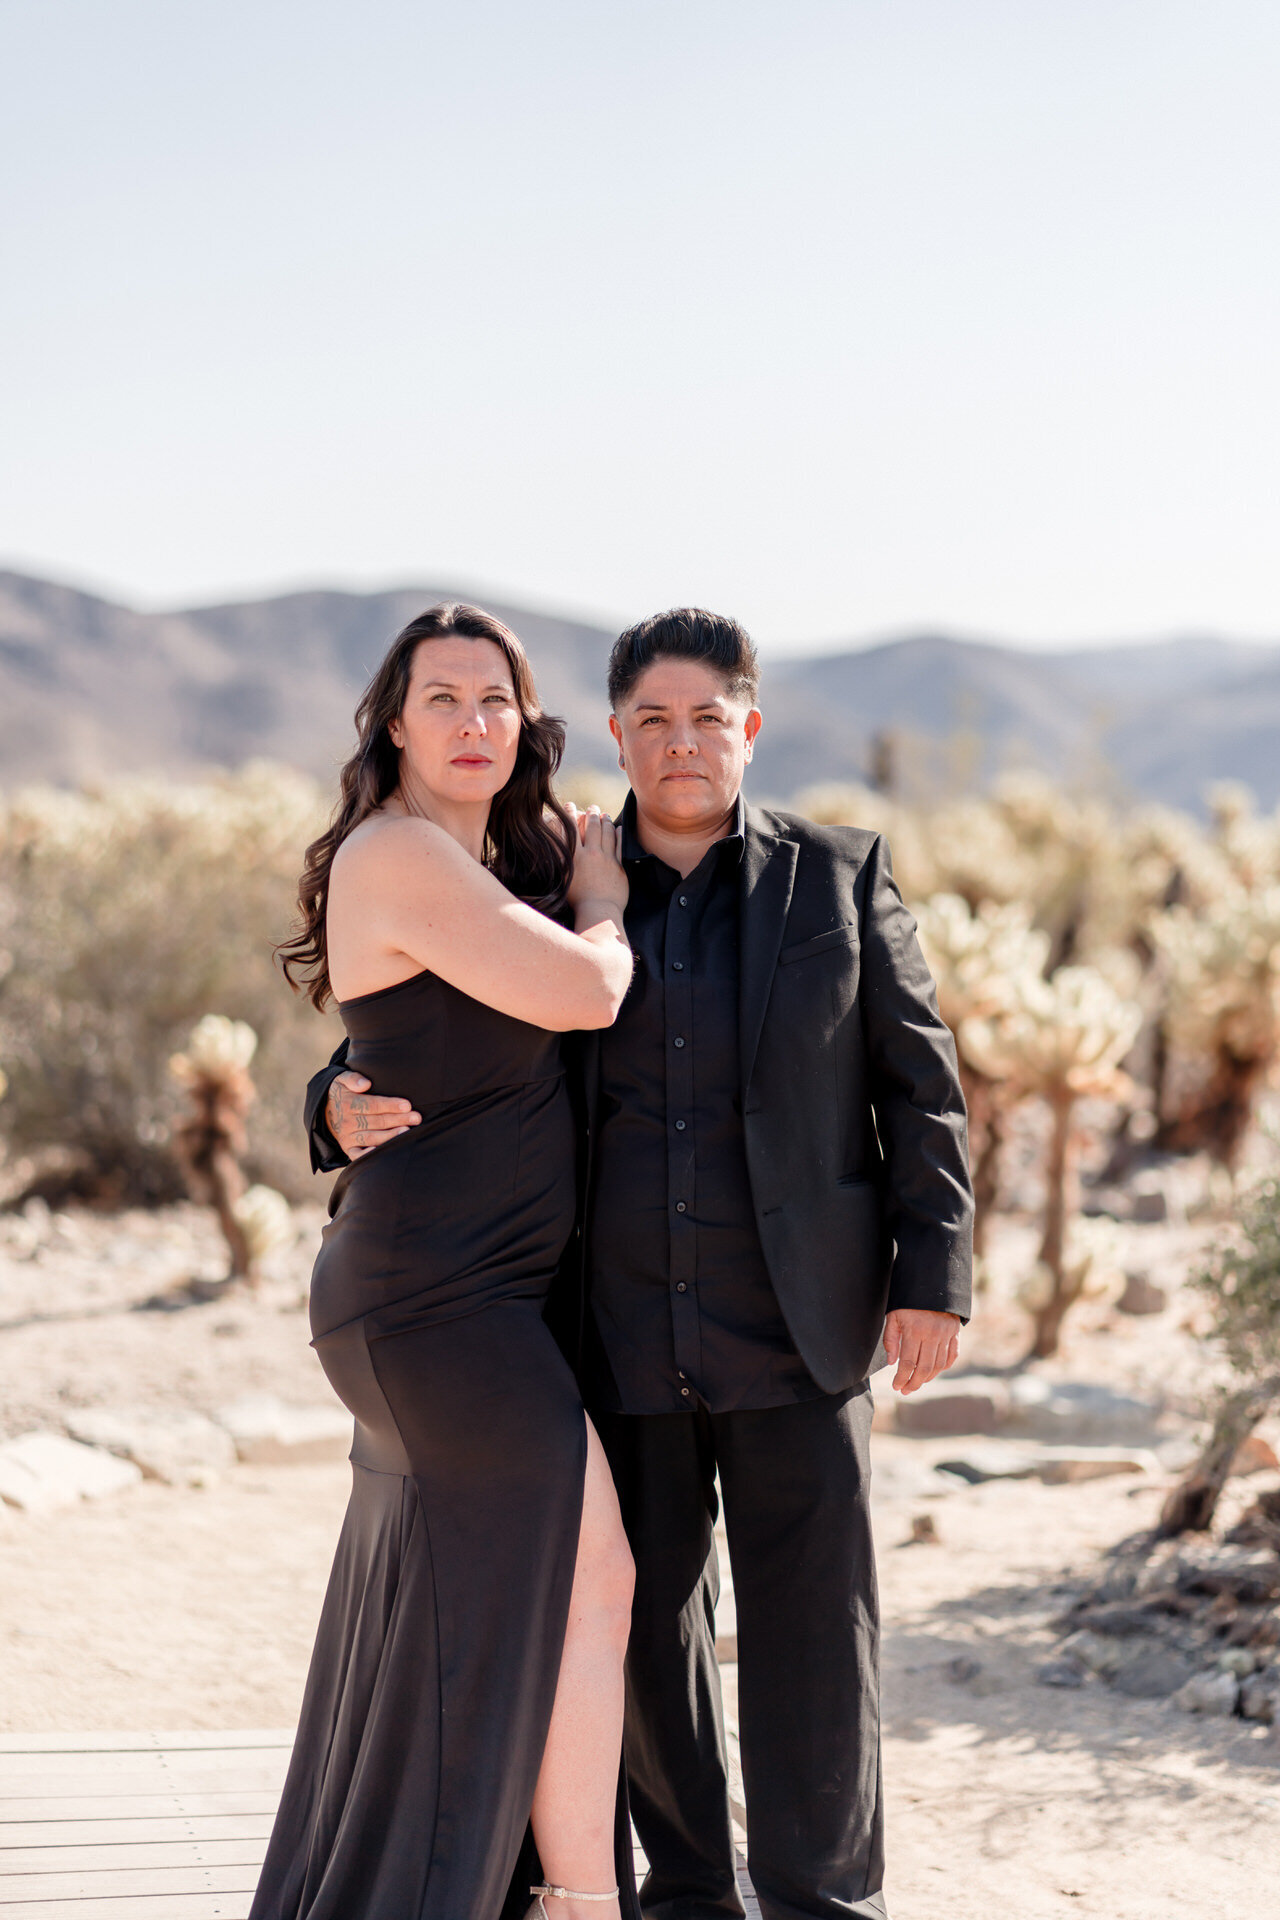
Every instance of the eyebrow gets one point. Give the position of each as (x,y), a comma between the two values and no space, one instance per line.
(662,706)
(452,686)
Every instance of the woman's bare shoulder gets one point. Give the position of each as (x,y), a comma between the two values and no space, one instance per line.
(386,843)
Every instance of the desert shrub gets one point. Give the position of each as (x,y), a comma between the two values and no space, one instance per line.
(1241,1284)
(125,915)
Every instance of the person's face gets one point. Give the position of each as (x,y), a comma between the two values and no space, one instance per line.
(459,730)
(684,742)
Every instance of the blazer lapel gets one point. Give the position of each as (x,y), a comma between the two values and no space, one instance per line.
(768,875)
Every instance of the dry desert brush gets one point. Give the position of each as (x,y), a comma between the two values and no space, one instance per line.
(126,914)
(1241,1282)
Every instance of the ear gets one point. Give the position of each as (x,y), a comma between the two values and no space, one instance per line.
(751,727)
(395,733)
(616,731)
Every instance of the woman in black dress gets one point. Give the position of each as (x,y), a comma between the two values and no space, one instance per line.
(459,1744)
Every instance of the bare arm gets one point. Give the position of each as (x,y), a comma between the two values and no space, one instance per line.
(404,895)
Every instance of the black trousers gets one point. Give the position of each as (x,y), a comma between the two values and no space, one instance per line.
(795,1482)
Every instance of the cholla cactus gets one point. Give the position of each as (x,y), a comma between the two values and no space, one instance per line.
(1248,842)
(219,1049)
(1061,1039)
(1222,1014)
(1091,1261)
(977,960)
(211,1142)
(976,854)
(266,1219)
(839,803)
(979,957)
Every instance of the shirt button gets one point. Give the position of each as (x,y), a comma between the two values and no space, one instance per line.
(677,966)
(679,1126)
(681,1376)
(684,899)
(685,1392)
(678,1041)
(680,1206)
(681,1287)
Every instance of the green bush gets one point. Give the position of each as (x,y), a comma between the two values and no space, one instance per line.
(1241,1280)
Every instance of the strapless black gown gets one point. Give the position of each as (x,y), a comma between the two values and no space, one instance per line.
(435,1667)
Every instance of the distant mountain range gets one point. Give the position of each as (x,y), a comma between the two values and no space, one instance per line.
(89,689)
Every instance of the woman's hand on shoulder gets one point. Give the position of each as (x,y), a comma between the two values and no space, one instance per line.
(598,873)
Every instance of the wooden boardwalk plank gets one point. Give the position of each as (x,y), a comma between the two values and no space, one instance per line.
(199,1760)
(181,1906)
(93,1833)
(51,1767)
(63,1743)
(118,1881)
(257,1778)
(142,1806)
(152,1826)
(114,1854)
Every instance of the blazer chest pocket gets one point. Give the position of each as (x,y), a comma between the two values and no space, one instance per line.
(820,943)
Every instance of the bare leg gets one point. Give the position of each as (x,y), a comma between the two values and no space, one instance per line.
(573,1804)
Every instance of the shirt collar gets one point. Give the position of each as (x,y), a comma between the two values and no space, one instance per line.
(733,842)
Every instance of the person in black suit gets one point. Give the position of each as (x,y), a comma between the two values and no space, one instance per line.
(776,1202)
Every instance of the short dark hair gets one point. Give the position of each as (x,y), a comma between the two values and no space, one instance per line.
(685,633)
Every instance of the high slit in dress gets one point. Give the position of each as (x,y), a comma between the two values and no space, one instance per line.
(435,1665)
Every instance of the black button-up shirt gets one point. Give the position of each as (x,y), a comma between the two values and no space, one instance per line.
(683,1311)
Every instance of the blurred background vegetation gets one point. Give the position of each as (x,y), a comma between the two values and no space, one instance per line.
(127,913)
(1126,959)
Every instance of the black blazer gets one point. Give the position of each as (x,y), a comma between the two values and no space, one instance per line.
(851,1102)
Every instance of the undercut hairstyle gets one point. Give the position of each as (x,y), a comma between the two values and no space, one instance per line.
(685,633)
(529,838)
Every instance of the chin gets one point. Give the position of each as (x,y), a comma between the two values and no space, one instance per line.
(690,802)
(482,784)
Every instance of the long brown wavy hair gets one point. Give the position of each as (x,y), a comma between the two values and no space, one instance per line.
(529,852)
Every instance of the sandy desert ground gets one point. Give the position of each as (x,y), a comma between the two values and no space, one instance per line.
(170,1607)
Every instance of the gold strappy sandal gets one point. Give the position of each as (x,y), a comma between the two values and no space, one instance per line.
(538,1912)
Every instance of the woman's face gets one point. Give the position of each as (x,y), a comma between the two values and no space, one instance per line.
(460,726)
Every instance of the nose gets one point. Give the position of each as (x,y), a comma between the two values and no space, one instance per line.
(471,721)
(683,742)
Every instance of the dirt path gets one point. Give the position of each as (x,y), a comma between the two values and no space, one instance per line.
(173,1608)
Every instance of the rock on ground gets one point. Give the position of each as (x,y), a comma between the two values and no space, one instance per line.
(1209,1693)
(267,1432)
(167,1445)
(42,1471)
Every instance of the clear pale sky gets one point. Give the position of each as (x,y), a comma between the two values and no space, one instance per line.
(842,315)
